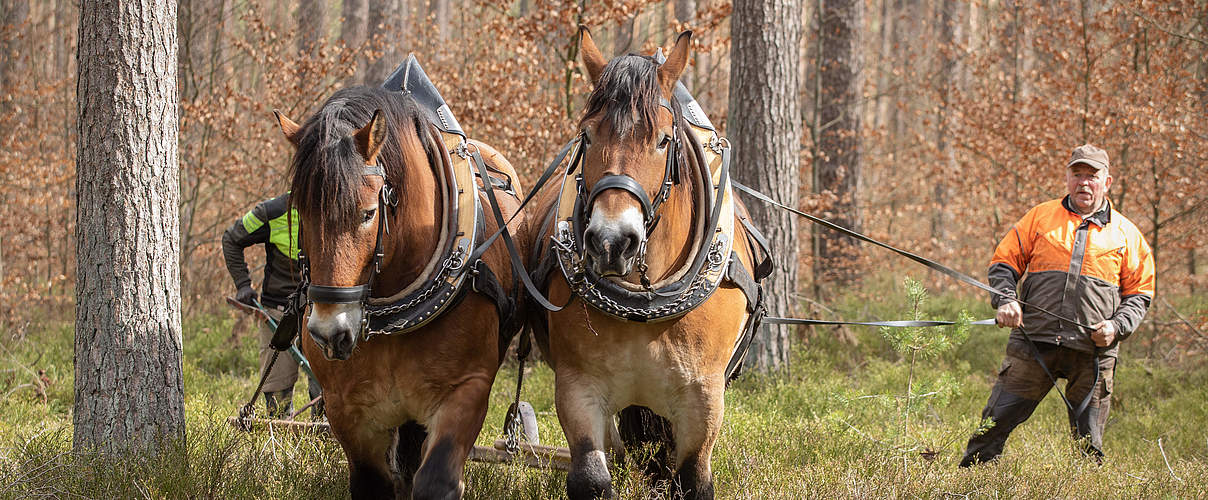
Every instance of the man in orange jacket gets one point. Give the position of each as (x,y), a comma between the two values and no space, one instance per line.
(1085,262)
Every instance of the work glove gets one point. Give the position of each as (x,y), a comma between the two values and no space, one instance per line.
(246,295)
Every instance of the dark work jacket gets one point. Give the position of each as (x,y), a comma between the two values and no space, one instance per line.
(1088,269)
(274,224)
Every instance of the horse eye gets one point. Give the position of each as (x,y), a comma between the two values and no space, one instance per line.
(368,214)
(666,140)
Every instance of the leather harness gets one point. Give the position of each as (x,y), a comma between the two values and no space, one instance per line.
(712,261)
(455,262)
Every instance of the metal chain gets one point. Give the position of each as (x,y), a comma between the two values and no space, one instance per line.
(590,293)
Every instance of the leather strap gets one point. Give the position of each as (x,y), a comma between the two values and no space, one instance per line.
(924,261)
(624,183)
(321,294)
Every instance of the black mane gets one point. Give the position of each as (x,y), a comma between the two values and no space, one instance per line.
(327,170)
(628,94)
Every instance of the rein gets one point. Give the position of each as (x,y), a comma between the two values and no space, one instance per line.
(948,271)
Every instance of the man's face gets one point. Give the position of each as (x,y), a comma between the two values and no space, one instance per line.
(1087,187)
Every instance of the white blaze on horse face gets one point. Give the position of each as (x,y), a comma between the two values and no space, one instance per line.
(334,327)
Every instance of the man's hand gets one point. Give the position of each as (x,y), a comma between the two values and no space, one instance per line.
(1105,333)
(247,295)
(1009,315)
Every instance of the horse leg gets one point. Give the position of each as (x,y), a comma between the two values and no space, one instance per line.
(586,426)
(411,437)
(451,434)
(696,428)
(369,451)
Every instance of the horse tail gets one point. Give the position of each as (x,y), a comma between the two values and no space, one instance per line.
(648,439)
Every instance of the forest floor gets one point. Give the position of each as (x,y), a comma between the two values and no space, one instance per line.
(830,424)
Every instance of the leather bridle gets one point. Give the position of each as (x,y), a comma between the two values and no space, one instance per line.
(324,294)
(650,205)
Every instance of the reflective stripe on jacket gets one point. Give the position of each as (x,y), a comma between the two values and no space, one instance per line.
(1087,269)
(275,224)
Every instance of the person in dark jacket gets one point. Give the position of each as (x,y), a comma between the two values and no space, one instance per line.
(274,224)
(1086,262)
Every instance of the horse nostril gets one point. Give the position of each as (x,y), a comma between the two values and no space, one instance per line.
(595,244)
(629,245)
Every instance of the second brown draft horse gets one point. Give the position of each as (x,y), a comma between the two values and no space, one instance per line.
(401,332)
(647,236)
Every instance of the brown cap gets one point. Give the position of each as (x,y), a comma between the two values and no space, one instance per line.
(1089,155)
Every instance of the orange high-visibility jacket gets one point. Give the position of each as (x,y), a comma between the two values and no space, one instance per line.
(1087,269)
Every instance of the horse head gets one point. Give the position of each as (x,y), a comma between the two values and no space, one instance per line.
(346,182)
(631,131)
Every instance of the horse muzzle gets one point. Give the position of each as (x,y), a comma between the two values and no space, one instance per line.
(334,329)
(612,248)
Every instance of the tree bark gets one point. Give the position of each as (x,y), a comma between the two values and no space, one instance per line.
(15,16)
(312,25)
(951,31)
(128,385)
(385,19)
(837,170)
(311,19)
(352,33)
(624,38)
(440,10)
(685,13)
(765,128)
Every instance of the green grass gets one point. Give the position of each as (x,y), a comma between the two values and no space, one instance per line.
(829,425)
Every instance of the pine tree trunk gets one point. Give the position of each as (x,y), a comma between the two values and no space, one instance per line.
(951,31)
(15,18)
(128,387)
(685,13)
(385,22)
(440,10)
(837,170)
(352,33)
(765,128)
(624,38)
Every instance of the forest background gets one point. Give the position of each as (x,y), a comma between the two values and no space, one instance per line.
(964,116)
(956,116)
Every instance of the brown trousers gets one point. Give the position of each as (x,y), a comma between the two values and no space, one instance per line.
(285,369)
(1022,384)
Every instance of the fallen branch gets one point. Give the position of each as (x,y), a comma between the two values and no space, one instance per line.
(1163,450)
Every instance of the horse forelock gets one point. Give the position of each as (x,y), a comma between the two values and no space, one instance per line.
(627,97)
(327,170)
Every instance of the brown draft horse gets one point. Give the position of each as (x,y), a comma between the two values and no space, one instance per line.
(405,407)
(604,365)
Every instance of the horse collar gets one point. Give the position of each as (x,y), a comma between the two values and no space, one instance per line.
(442,283)
(700,276)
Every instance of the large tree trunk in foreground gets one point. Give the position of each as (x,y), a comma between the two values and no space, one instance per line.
(128,387)
(765,128)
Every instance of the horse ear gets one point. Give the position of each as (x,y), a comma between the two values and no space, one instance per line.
(592,58)
(288,127)
(371,137)
(669,72)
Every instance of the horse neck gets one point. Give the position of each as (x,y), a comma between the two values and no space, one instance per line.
(414,226)
(670,245)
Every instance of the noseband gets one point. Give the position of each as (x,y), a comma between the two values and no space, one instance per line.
(323,294)
(650,206)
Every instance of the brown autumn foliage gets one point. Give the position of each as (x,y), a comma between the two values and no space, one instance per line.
(959,138)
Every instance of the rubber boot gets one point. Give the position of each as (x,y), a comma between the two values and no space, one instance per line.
(279,404)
